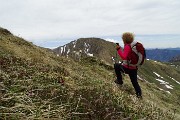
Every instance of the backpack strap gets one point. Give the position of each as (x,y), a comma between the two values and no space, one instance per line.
(133,44)
(133,47)
(128,63)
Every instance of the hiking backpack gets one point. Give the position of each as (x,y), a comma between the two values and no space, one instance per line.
(137,55)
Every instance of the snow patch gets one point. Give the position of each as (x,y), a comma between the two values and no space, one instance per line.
(174,80)
(68,51)
(87,49)
(160,89)
(142,79)
(89,54)
(64,48)
(157,75)
(162,81)
(61,50)
(85,45)
(169,87)
(164,90)
(168,92)
(74,44)
(139,77)
(165,83)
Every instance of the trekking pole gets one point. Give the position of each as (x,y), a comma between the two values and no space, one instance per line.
(116,57)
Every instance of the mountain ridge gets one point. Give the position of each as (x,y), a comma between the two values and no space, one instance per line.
(95,46)
(163,55)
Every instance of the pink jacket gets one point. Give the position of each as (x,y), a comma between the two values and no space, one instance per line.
(124,55)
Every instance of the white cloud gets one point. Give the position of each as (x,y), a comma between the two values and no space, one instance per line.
(62,19)
(112,40)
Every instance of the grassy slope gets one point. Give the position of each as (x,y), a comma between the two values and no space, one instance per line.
(30,88)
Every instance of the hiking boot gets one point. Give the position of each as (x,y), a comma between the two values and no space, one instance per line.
(139,96)
(118,82)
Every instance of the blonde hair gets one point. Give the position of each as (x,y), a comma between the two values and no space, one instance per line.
(128,37)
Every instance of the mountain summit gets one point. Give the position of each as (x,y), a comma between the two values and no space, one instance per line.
(90,47)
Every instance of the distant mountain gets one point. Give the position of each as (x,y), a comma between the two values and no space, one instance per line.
(173,48)
(163,55)
(90,47)
(175,59)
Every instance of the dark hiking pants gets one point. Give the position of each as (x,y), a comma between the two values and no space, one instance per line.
(132,74)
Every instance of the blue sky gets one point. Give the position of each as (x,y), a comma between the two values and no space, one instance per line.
(51,23)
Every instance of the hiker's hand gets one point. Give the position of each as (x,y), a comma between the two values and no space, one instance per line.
(118,47)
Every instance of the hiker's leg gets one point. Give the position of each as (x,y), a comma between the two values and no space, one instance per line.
(118,69)
(133,77)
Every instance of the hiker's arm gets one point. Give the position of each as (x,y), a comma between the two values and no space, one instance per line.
(124,53)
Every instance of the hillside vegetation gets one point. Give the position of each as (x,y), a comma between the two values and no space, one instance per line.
(36,84)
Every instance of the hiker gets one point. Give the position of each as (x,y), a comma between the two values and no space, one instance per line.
(125,66)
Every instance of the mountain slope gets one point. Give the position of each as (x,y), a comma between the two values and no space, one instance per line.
(51,87)
(89,46)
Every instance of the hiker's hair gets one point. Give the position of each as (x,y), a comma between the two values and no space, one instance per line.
(128,37)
